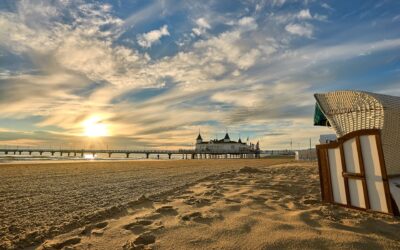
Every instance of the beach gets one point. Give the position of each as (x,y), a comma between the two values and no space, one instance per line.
(199,204)
(39,200)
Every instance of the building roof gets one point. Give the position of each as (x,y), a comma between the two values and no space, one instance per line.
(227,136)
(222,141)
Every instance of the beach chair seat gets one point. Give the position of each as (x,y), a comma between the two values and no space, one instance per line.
(362,168)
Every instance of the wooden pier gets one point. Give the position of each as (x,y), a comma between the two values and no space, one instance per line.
(186,153)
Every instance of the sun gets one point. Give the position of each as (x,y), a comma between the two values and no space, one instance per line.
(94,127)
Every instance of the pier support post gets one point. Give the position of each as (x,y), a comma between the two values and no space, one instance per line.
(147,155)
(127,155)
(109,155)
(82,154)
(40,152)
(74,154)
(30,152)
(94,154)
(52,153)
(169,156)
(6,152)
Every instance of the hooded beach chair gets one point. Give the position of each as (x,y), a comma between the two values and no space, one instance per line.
(361,169)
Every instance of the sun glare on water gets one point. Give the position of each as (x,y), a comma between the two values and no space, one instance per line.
(93,127)
(89,156)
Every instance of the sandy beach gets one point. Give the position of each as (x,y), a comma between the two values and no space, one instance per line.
(40,200)
(209,204)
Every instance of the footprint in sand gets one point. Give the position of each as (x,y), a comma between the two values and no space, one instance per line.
(167,210)
(198,202)
(141,242)
(229,200)
(200,217)
(139,226)
(135,228)
(214,194)
(142,225)
(258,199)
(61,244)
(191,216)
(94,228)
(234,208)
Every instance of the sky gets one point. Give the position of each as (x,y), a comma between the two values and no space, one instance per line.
(152,73)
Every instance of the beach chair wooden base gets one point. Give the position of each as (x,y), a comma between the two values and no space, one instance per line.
(353,174)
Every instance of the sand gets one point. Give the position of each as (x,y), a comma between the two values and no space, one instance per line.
(256,206)
(39,201)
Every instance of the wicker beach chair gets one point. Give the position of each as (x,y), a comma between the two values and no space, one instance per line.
(365,160)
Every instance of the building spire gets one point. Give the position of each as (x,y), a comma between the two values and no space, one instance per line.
(199,138)
(226,138)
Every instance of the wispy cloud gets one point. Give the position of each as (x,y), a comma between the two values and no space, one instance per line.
(300,29)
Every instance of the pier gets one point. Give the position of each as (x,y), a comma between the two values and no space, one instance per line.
(186,153)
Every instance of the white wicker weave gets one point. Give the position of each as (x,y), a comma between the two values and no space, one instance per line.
(349,111)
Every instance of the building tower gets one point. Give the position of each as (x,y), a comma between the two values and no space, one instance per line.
(227,139)
(199,139)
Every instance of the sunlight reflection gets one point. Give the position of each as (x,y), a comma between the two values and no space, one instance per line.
(89,156)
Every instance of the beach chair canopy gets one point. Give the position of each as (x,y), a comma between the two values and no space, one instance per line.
(349,111)
(319,117)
